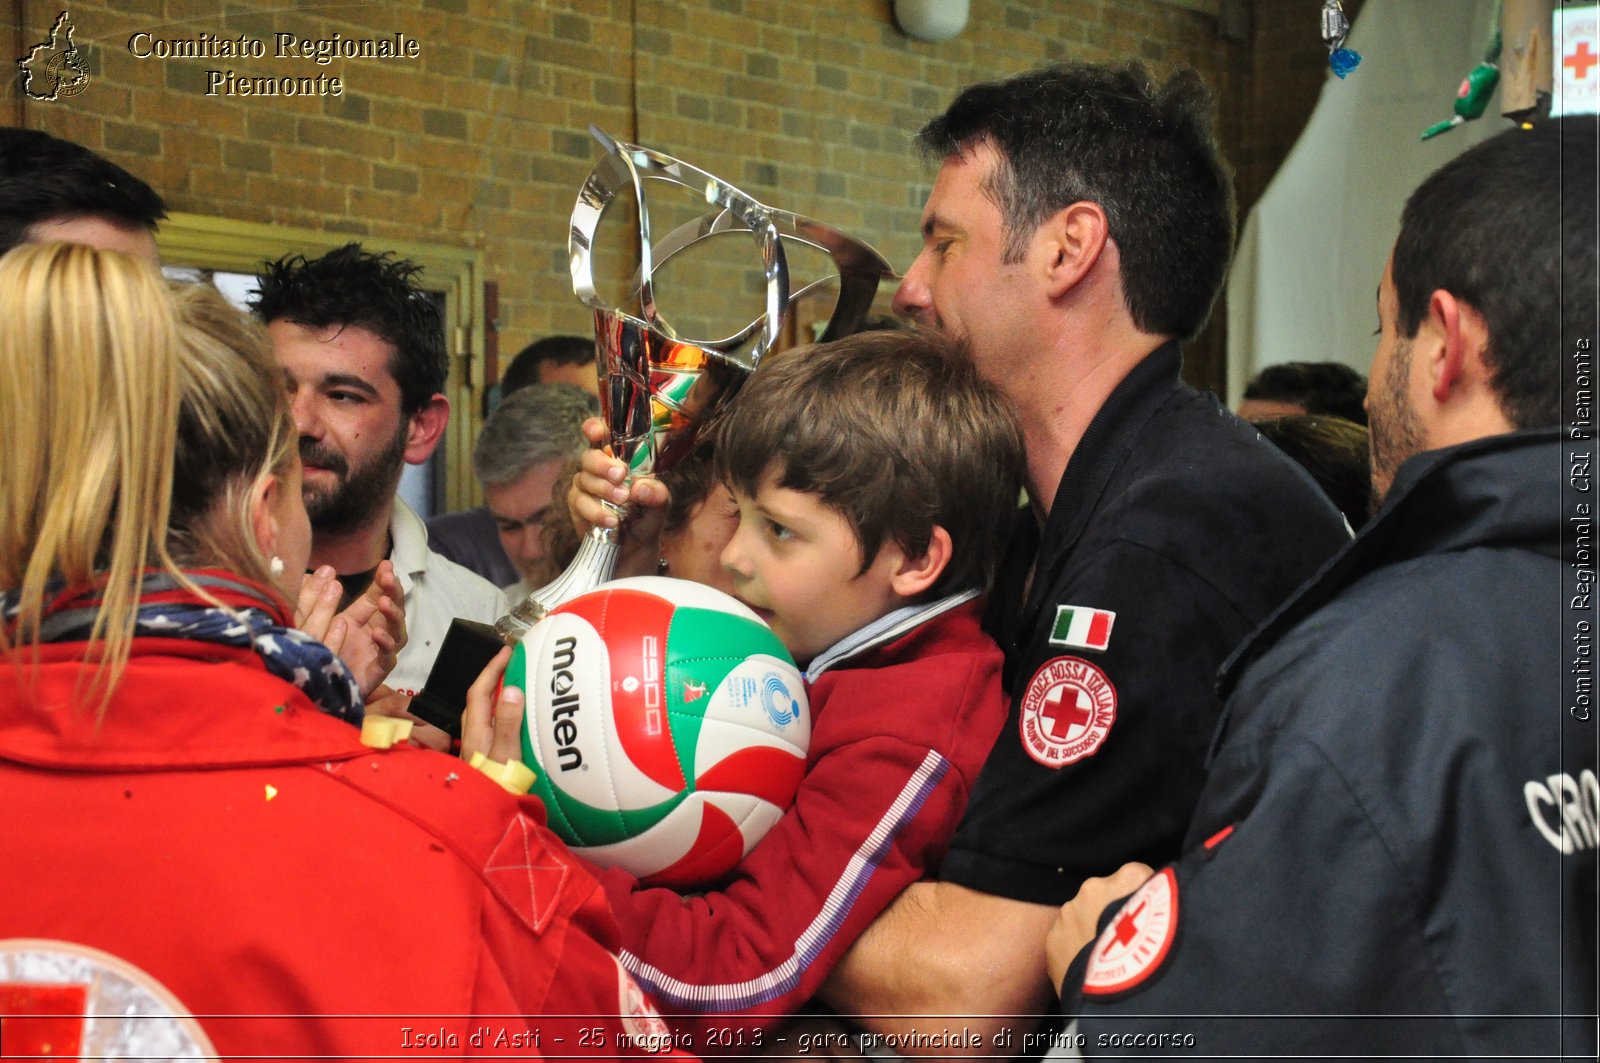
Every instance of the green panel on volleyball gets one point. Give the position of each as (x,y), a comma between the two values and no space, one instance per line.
(698,662)
(584,825)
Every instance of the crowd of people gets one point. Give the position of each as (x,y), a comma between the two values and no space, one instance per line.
(1221,743)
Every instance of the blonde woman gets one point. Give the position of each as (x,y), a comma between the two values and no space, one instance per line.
(181,798)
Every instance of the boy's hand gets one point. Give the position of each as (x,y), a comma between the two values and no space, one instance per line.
(1079,920)
(490,725)
(602,477)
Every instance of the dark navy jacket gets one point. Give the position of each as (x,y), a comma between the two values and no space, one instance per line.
(1395,850)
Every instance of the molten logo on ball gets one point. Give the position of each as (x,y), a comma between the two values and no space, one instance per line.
(563,705)
(668,724)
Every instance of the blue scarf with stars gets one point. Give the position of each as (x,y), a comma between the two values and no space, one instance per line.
(251,618)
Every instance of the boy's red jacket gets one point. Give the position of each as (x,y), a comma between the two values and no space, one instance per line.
(303,895)
(900,729)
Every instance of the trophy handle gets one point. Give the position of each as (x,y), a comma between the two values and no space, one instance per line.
(628,166)
(647,372)
(596,561)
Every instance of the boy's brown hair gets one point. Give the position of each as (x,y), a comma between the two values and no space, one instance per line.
(894,430)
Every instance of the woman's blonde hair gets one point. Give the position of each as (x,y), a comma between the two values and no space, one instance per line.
(139,420)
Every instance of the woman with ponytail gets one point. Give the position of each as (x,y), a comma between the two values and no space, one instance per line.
(188,812)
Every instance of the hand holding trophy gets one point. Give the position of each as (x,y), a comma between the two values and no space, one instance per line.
(658,388)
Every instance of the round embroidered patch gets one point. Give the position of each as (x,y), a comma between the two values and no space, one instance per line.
(1067,711)
(62,999)
(1135,943)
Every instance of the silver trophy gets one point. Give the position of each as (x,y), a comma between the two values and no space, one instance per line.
(655,385)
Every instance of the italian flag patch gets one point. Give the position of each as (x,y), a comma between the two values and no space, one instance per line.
(1082,628)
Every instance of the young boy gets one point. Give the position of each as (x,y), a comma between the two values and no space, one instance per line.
(876,479)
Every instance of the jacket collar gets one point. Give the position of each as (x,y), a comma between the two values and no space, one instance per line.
(883,631)
(1102,450)
(180,704)
(1499,491)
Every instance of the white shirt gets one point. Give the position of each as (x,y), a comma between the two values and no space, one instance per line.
(437,591)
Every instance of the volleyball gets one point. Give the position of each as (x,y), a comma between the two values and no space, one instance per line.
(667,724)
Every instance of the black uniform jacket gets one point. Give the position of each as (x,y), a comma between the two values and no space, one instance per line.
(1176,529)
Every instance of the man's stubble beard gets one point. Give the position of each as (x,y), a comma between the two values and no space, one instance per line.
(1394,430)
(361,492)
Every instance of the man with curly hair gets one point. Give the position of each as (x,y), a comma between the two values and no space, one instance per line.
(363,356)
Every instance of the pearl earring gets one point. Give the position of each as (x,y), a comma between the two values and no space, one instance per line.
(275,566)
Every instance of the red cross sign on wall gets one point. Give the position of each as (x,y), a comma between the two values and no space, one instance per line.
(1580,60)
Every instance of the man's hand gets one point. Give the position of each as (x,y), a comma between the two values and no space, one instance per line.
(318,602)
(1079,920)
(963,957)
(369,634)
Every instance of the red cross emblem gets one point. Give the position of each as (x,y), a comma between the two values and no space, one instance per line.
(1062,716)
(49,989)
(42,1020)
(1127,925)
(1067,711)
(1581,60)
(1136,942)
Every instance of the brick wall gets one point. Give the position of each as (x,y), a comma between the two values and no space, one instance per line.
(480,141)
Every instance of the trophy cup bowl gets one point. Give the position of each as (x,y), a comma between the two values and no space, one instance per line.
(656,386)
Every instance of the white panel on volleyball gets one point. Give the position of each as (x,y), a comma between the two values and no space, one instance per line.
(753,706)
(570,656)
(670,840)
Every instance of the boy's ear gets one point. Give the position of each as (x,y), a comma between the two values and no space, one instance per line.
(915,575)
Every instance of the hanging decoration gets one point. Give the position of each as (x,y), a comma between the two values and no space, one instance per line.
(1335,28)
(1472,98)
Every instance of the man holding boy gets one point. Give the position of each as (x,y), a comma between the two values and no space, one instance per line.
(875,478)
(1427,778)
(1080,226)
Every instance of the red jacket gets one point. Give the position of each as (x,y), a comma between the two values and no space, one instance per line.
(302,894)
(900,729)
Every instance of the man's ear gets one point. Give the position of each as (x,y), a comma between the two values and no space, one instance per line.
(1456,360)
(426,429)
(915,575)
(1073,240)
(263,505)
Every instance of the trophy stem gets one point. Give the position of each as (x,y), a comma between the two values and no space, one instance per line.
(596,561)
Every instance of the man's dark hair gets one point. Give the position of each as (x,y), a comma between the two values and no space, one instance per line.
(1317,387)
(352,287)
(1145,153)
(43,178)
(529,363)
(1507,227)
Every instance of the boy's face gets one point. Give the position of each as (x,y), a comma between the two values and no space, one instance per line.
(797,563)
